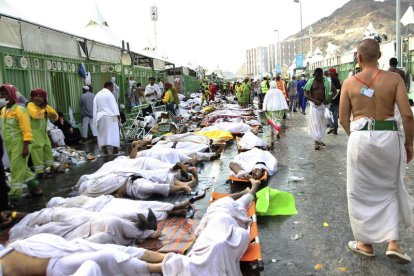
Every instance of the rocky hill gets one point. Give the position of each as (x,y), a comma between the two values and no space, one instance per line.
(346,26)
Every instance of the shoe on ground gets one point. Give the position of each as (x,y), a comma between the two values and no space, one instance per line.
(398,257)
(353,246)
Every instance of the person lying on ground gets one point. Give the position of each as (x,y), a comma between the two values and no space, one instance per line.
(254,162)
(71,223)
(47,254)
(125,179)
(222,238)
(173,155)
(122,207)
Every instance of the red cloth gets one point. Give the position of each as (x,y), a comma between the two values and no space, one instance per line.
(39,92)
(11,91)
(212,91)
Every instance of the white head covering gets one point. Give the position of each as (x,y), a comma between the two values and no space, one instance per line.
(56,201)
(273,84)
(85,88)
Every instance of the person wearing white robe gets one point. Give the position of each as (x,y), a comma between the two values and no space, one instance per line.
(47,254)
(174,155)
(232,127)
(253,159)
(377,155)
(249,141)
(57,136)
(105,118)
(274,106)
(71,223)
(155,177)
(222,239)
(119,207)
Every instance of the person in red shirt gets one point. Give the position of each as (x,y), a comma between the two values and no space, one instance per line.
(213,91)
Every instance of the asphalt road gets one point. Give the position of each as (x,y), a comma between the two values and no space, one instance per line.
(320,198)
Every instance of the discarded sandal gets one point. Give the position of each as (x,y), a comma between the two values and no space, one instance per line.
(353,246)
(198,195)
(398,257)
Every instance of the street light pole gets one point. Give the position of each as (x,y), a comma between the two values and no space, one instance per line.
(301,29)
(398,31)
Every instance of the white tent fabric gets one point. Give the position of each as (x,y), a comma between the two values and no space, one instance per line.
(42,40)
(408,17)
(10,33)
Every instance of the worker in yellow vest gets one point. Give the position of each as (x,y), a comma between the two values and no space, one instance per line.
(264,87)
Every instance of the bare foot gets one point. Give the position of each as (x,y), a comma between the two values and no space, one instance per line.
(194,172)
(255,185)
(365,247)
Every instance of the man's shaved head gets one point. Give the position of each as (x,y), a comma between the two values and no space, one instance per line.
(369,50)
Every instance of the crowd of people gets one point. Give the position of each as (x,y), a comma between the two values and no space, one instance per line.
(92,232)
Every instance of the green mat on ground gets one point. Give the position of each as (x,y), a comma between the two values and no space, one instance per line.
(272,202)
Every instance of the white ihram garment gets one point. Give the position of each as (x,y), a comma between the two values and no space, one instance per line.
(377,197)
(317,122)
(105,118)
(231,127)
(222,239)
(71,223)
(249,141)
(109,205)
(253,158)
(168,155)
(66,257)
(274,100)
(114,174)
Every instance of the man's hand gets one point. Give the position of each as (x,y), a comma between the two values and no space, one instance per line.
(409,151)
(53,117)
(71,130)
(25,151)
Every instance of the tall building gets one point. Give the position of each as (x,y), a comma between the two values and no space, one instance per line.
(272,57)
(289,49)
(259,60)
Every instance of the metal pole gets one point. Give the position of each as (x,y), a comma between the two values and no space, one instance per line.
(301,29)
(398,31)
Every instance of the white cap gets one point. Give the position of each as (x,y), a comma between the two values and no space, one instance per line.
(85,88)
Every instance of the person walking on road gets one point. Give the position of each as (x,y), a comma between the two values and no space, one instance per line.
(17,135)
(274,106)
(86,109)
(40,111)
(301,95)
(106,118)
(319,91)
(293,94)
(376,156)
(334,108)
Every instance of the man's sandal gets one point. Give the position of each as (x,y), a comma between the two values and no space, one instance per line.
(353,246)
(398,257)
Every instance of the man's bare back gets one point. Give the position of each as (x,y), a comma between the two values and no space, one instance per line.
(16,264)
(381,105)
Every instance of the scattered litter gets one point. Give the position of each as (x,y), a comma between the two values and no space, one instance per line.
(295,178)
(300,193)
(325,224)
(318,267)
(293,170)
(296,222)
(296,237)
(340,173)
(274,260)
(343,269)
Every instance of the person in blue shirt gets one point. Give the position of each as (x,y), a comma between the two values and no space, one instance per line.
(301,95)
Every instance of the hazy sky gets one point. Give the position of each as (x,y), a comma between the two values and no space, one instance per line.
(214,33)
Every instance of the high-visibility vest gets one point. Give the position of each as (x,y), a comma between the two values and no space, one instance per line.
(264,87)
